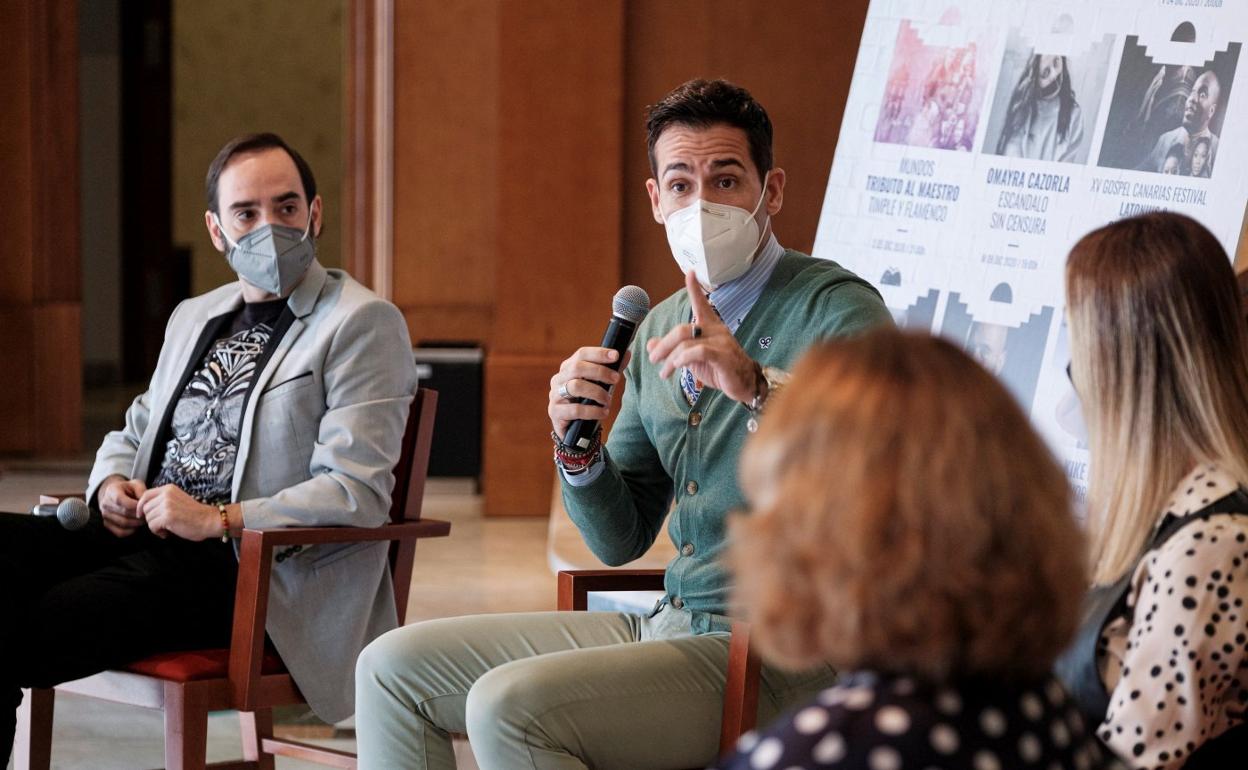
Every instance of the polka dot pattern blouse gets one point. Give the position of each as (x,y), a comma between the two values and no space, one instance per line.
(1176,667)
(873,722)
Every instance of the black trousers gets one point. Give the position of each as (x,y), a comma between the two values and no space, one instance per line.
(77,603)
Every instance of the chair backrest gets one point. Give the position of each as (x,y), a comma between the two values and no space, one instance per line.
(413,466)
(409,490)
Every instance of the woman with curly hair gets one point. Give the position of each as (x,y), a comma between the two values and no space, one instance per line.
(910,528)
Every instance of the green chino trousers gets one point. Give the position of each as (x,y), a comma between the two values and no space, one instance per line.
(551,690)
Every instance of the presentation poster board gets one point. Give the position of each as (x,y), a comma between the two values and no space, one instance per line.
(981,139)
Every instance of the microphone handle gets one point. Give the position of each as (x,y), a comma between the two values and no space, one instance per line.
(619,334)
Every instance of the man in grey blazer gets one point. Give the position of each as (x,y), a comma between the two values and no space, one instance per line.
(278,400)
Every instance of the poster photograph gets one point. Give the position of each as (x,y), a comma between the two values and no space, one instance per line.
(1048,95)
(934,92)
(1167,117)
(1013,352)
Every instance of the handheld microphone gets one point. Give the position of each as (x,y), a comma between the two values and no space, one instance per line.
(72,512)
(629,305)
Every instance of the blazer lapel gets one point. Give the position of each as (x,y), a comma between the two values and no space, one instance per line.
(301,303)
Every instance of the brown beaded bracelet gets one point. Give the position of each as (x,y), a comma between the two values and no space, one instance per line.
(225,523)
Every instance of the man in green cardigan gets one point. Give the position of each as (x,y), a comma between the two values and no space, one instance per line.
(570,690)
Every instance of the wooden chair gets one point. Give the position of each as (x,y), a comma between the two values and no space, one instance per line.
(741,690)
(247,678)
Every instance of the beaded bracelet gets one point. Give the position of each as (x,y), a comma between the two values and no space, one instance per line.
(572,460)
(225,523)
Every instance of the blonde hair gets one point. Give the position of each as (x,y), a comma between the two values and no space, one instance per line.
(1158,360)
(905,518)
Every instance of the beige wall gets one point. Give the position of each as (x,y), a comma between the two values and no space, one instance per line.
(241,66)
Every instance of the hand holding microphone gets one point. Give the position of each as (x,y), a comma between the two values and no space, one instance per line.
(582,390)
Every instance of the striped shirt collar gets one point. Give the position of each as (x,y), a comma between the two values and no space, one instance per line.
(733,300)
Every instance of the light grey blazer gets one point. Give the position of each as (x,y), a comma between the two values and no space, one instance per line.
(321,433)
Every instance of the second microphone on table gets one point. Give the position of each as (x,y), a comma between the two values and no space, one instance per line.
(71,512)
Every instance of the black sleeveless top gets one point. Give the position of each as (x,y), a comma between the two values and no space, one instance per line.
(1077,667)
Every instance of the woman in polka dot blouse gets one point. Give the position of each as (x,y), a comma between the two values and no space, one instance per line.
(1159,363)
(910,528)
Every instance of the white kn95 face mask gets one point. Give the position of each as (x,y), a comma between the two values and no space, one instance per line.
(716,241)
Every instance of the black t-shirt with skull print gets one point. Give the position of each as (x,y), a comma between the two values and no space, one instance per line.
(203,433)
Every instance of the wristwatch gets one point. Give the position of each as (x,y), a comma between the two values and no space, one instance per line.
(776,379)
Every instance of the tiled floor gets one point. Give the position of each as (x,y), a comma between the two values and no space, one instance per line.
(486,565)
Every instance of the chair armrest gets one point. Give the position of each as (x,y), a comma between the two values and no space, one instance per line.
(575,584)
(270,538)
(59,496)
(55,498)
(740,707)
(251,594)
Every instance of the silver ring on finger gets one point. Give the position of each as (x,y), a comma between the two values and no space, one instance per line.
(563,392)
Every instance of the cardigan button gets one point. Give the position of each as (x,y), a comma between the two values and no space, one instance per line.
(695,418)
(692,487)
(686,549)
(677,602)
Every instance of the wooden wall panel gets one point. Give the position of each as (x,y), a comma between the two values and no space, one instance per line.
(560,94)
(40,306)
(17,433)
(446,149)
(57,358)
(360,121)
(54,152)
(796,57)
(16,137)
(558,216)
(518,471)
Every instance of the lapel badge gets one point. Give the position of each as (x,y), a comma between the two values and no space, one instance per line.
(764,342)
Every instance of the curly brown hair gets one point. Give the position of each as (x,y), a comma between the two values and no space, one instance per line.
(905,518)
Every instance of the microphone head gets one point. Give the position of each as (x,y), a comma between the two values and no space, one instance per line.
(631,303)
(73,513)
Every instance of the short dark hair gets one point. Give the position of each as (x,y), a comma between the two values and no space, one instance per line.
(253,143)
(705,103)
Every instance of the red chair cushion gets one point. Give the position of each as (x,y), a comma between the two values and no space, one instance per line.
(196,665)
